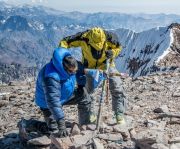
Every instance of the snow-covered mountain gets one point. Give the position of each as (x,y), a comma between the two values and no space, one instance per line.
(28,35)
(157,49)
(137,22)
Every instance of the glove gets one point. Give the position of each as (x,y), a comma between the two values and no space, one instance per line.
(62,128)
(109,54)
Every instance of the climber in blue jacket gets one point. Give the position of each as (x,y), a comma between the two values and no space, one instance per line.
(55,87)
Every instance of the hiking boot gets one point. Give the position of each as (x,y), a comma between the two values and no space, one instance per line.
(92,118)
(120,119)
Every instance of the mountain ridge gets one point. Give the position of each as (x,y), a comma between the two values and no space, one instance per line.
(29,35)
(149,50)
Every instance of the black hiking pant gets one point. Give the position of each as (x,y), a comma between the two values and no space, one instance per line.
(79,98)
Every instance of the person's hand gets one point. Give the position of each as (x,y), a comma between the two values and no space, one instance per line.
(109,54)
(62,128)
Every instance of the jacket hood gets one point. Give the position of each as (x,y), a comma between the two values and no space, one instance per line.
(96,38)
(57,61)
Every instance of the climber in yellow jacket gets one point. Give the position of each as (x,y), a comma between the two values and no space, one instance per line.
(97,46)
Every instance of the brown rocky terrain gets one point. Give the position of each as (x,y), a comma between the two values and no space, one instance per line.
(152,117)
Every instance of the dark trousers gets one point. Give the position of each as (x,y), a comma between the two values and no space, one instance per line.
(80,98)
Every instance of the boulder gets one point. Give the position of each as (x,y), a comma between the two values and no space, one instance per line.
(111,137)
(75,130)
(162,109)
(145,139)
(97,144)
(61,143)
(40,141)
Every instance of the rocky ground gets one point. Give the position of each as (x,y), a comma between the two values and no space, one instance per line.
(153,117)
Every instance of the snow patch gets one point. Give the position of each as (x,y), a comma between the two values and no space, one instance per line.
(3,21)
(38,26)
(55,27)
(163,55)
(132,35)
(157,28)
(168,49)
(6,93)
(29,24)
(41,26)
(171,37)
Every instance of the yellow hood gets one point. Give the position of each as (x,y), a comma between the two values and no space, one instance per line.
(96,38)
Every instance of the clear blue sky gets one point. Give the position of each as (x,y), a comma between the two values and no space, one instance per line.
(126,6)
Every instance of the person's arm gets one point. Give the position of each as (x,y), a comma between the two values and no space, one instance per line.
(52,96)
(116,50)
(113,43)
(72,41)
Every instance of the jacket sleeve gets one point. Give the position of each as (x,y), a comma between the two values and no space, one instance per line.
(113,43)
(52,96)
(72,41)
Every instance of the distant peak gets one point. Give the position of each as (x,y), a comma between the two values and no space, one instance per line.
(174,25)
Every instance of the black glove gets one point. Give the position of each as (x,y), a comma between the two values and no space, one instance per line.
(109,54)
(62,128)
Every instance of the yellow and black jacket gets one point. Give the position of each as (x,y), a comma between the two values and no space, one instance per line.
(93,58)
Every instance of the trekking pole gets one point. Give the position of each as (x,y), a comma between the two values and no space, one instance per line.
(107,92)
(102,96)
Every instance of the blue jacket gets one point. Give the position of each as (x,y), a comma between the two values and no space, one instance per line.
(54,85)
